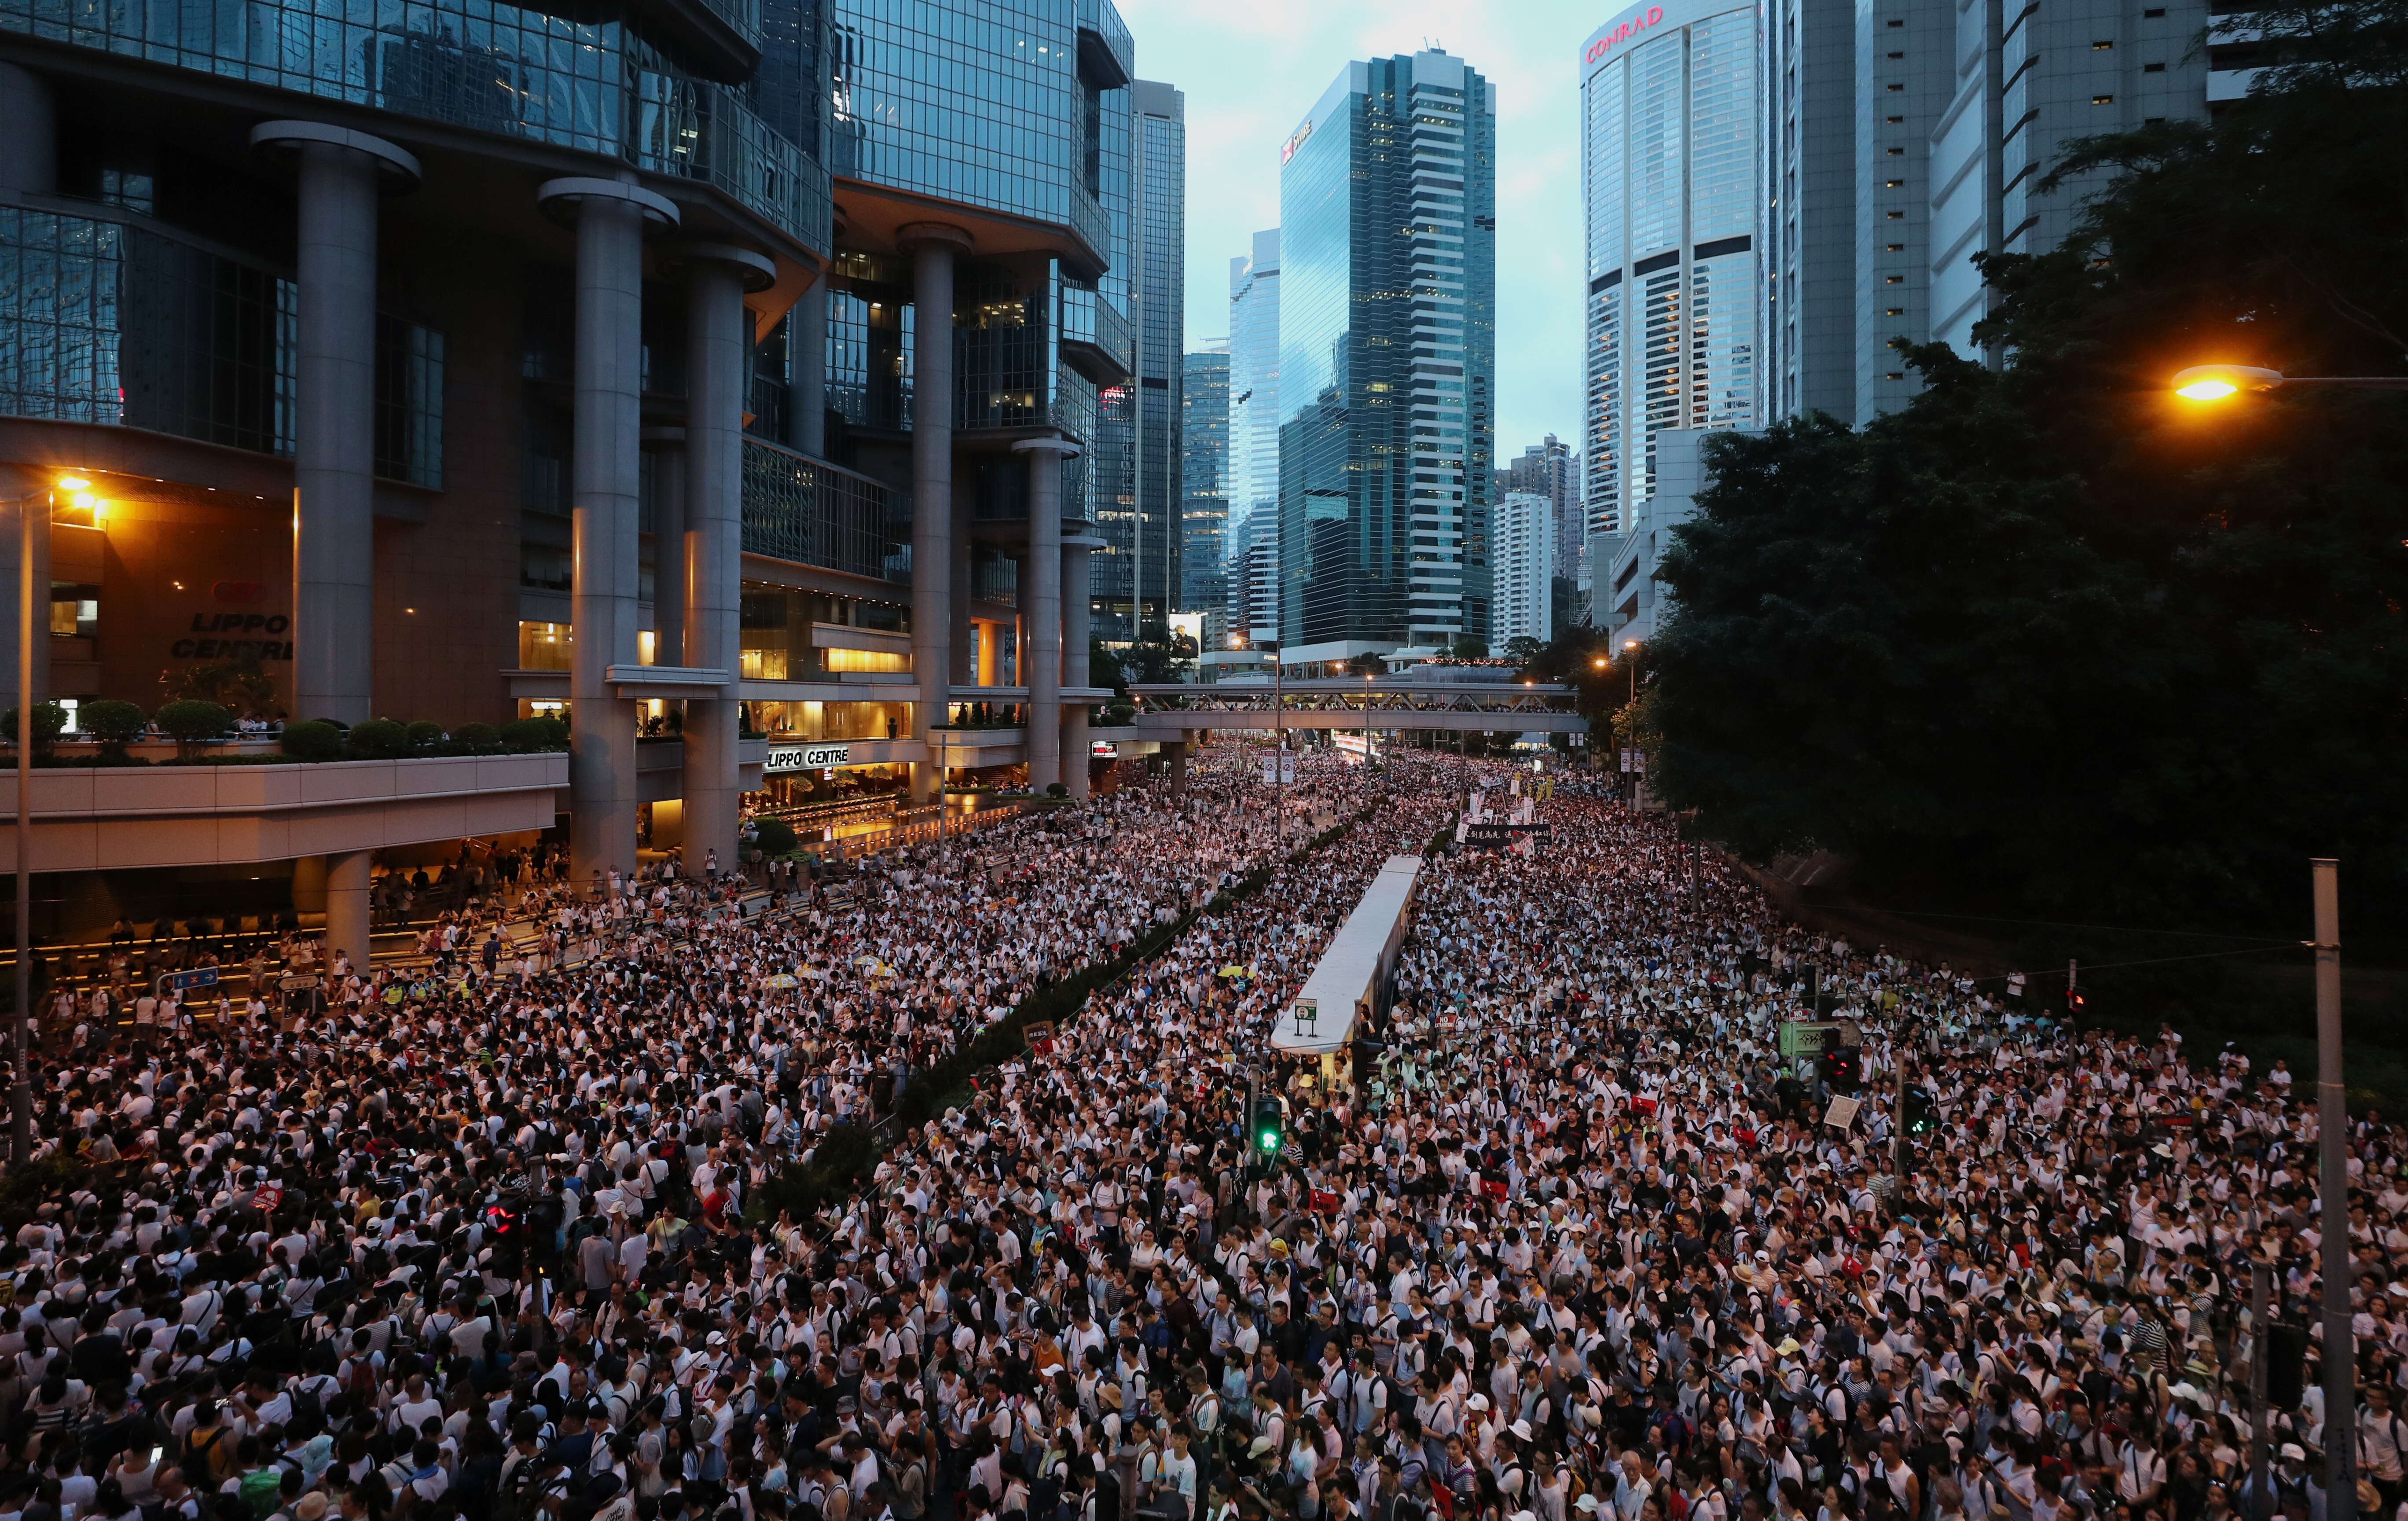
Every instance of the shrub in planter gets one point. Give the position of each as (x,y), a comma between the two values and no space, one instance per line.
(424,736)
(1057,789)
(477,739)
(114,722)
(526,735)
(50,722)
(313,739)
(194,724)
(775,837)
(379,739)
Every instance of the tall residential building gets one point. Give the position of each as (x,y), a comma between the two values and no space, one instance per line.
(1524,567)
(1387,360)
(1137,450)
(1204,484)
(1669,170)
(1552,471)
(1254,394)
(1904,140)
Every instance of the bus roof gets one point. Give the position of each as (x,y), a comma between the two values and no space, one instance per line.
(1348,974)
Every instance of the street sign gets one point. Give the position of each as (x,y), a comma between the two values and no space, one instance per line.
(1842,1112)
(197,977)
(300,983)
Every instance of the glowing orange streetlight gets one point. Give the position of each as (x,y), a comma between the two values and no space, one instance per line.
(2222,383)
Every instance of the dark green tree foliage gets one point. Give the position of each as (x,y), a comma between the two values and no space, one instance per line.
(2052,636)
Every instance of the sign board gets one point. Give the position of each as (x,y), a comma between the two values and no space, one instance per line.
(1103,748)
(197,977)
(1800,1038)
(787,759)
(1039,1033)
(781,980)
(299,982)
(1307,1015)
(1842,1112)
(1279,767)
(1635,762)
(1494,835)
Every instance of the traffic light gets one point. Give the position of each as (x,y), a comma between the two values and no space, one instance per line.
(1921,1117)
(1840,1069)
(1267,1128)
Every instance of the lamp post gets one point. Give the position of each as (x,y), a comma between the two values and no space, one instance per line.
(2221,383)
(20,1091)
(1367,720)
(2334,1251)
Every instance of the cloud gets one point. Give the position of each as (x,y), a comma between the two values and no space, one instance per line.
(1251,69)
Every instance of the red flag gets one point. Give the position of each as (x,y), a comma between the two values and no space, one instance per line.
(1642,1106)
(266,1201)
(1495,1188)
(1324,1201)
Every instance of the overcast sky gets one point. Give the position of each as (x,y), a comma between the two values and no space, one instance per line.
(1252,69)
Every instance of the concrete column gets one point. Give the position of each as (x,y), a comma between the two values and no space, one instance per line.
(334,464)
(1077,603)
(667,448)
(963,661)
(807,360)
(32,491)
(346,907)
(310,884)
(604,470)
(719,362)
(29,124)
(1040,609)
(933,247)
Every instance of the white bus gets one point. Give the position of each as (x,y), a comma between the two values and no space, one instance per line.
(1349,986)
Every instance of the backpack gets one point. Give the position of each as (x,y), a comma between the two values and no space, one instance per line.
(308,1418)
(195,1464)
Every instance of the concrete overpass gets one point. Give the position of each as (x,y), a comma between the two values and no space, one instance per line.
(1171,710)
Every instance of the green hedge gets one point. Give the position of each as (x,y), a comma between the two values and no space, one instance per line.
(848,1154)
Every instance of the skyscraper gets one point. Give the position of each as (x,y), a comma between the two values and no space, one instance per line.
(1668,162)
(1137,449)
(1552,470)
(1254,396)
(1387,360)
(1204,484)
(1524,566)
(1906,139)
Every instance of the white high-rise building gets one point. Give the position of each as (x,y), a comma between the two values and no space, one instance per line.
(1254,396)
(1668,157)
(1523,557)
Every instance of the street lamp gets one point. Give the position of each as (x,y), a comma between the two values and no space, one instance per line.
(20,1095)
(2221,383)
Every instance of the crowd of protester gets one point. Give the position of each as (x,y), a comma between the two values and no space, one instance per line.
(1563,1234)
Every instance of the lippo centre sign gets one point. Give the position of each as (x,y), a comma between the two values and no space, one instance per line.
(785,758)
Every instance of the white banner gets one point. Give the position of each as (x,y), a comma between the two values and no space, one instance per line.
(1279,767)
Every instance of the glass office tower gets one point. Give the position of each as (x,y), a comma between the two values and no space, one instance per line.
(1204,482)
(1387,360)
(1136,442)
(1669,170)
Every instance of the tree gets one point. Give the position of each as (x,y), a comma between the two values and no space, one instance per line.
(240,684)
(2050,636)
(194,724)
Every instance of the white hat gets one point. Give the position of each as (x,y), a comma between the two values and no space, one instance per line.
(1478,1401)
(2293,1451)
(1522,1431)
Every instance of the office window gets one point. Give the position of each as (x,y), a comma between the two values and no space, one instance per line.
(2152,68)
(2103,100)
(1895,311)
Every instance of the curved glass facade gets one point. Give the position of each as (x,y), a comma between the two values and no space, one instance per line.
(1669,172)
(1387,357)
(501,68)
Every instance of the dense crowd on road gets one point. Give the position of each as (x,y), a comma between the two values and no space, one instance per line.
(1563,1234)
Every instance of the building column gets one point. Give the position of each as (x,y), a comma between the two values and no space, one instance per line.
(806,371)
(29,124)
(334,462)
(667,447)
(605,474)
(347,908)
(310,884)
(1040,607)
(1078,603)
(718,369)
(32,491)
(933,245)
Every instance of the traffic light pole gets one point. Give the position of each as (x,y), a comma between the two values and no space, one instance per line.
(1898,1113)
